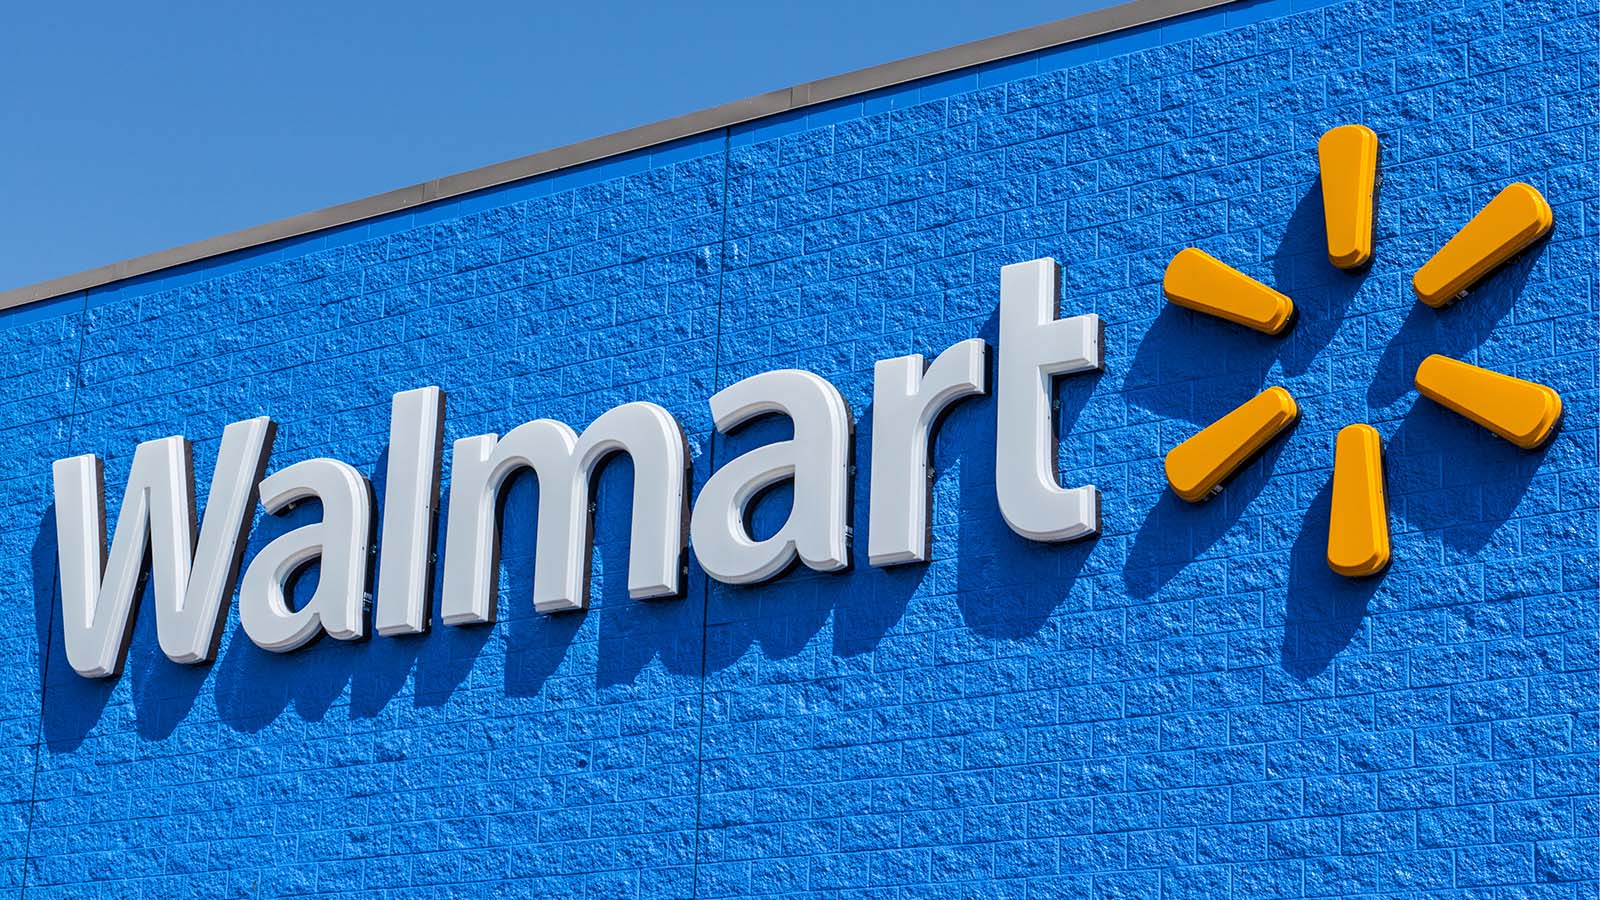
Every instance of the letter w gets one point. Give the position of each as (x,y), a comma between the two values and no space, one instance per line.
(193,581)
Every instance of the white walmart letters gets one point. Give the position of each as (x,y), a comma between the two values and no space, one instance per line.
(192,580)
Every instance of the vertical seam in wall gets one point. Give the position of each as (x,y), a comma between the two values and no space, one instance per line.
(711,465)
(50,626)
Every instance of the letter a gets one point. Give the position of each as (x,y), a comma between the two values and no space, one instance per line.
(817,459)
(340,541)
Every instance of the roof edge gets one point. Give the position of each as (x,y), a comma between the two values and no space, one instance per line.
(939,62)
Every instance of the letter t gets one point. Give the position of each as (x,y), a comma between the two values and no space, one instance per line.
(1035,347)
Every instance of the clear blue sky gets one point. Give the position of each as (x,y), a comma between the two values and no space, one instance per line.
(134,127)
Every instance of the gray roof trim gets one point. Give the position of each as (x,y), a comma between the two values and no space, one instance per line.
(939,62)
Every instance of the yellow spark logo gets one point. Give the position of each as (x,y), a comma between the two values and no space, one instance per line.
(1522,412)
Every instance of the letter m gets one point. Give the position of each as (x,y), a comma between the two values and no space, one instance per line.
(565,464)
(192,579)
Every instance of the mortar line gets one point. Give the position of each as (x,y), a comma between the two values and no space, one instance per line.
(50,626)
(711,465)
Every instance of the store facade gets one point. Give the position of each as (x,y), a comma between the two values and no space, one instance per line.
(790,611)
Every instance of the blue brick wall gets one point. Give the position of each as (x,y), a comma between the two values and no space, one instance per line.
(39,349)
(1188,706)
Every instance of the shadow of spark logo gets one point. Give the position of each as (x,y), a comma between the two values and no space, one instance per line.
(1522,412)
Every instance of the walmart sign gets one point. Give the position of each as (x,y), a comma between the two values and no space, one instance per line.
(194,573)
